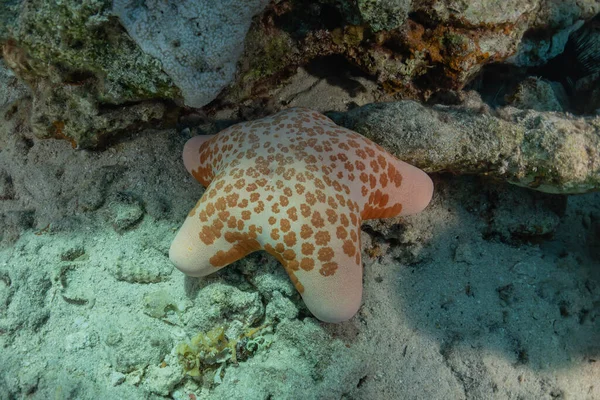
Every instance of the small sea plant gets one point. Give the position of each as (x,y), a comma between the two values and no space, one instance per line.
(212,350)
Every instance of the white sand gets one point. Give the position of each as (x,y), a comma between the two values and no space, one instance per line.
(492,292)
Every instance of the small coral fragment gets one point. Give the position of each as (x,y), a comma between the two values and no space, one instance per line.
(210,351)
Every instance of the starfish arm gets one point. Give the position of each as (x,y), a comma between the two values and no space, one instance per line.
(333,290)
(401,189)
(196,154)
(199,249)
(416,189)
(321,253)
(215,234)
(333,298)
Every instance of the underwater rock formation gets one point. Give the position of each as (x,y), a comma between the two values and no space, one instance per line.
(89,62)
(83,66)
(545,151)
(411,51)
(197,42)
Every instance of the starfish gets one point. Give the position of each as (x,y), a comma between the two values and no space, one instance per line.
(298,186)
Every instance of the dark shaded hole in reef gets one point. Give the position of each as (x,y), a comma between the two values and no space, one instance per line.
(106,140)
(301,17)
(424,18)
(496,81)
(330,16)
(76,78)
(435,77)
(575,73)
(338,71)
(397,44)
(580,58)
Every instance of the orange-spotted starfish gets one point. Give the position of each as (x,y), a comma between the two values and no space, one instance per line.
(298,186)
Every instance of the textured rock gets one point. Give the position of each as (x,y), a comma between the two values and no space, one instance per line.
(98,68)
(141,265)
(75,42)
(549,30)
(411,50)
(198,42)
(11,88)
(80,63)
(384,14)
(549,152)
(539,95)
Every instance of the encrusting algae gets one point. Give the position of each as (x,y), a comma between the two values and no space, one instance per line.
(212,350)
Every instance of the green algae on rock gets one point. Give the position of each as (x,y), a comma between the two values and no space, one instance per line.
(80,64)
(97,68)
(208,352)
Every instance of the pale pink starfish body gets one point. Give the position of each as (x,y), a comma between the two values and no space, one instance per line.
(298,186)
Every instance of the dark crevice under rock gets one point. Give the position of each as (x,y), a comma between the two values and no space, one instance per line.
(573,75)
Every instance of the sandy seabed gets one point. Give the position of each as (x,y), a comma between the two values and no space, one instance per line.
(492,292)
